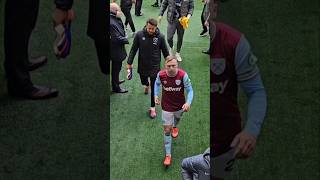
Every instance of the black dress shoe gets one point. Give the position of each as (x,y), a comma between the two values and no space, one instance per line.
(121,81)
(37,92)
(36,62)
(206,52)
(120,90)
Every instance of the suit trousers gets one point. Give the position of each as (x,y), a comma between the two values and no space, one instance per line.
(115,72)
(138,7)
(19,22)
(102,45)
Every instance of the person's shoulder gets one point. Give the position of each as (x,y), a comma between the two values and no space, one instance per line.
(181,73)
(228,31)
(162,73)
(140,33)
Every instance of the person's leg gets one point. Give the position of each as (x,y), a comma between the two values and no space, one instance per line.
(204,27)
(153,112)
(167,121)
(176,119)
(171,30)
(20,20)
(167,139)
(180,33)
(130,20)
(126,22)
(104,63)
(145,81)
(115,70)
(152,81)
(138,7)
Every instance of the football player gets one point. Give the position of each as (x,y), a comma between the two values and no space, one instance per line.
(233,64)
(173,103)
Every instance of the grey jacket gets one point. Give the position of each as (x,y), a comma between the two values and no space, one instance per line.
(187,7)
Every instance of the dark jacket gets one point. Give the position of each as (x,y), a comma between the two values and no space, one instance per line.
(98,19)
(150,47)
(117,39)
(187,7)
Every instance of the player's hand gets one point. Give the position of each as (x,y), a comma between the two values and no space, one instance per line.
(186,107)
(129,66)
(159,20)
(157,100)
(129,72)
(62,17)
(244,144)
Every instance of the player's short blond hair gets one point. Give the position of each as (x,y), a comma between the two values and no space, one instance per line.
(170,58)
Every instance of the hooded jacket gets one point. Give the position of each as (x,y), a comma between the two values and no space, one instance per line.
(149,47)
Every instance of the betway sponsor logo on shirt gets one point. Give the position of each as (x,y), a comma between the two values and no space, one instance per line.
(219,87)
(172,89)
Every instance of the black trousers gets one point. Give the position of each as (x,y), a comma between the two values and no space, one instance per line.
(127,14)
(204,27)
(19,22)
(115,72)
(138,7)
(144,81)
(102,46)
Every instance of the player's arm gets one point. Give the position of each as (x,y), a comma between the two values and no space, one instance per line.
(188,87)
(250,81)
(134,49)
(157,84)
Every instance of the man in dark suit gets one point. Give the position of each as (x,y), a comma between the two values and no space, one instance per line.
(117,40)
(20,19)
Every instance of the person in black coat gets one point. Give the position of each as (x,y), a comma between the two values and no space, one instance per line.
(19,22)
(117,46)
(150,42)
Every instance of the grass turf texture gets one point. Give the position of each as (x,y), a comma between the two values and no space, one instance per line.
(136,140)
(65,137)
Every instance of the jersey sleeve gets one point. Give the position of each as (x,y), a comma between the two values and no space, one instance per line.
(245,61)
(188,87)
(157,84)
